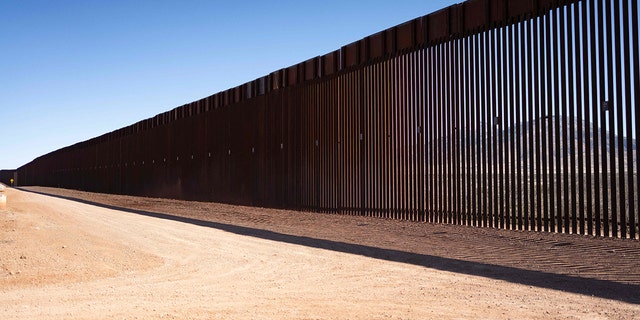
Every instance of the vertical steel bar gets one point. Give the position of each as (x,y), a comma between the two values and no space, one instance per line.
(590,69)
(426,132)
(439,114)
(580,44)
(529,222)
(571,126)
(287,181)
(382,138)
(365,140)
(397,160)
(322,154)
(461,130)
(449,124)
(457,125)
(356,191)
(352,142)
(509,130)
(384,141)
(343,198)
(466,129)
(336,143)
(619,109)
(547,140)
(399,134)
(361,166)
(603,123)
(341,143)
(476,153)
(491,128)
(613,109)
(519,123)
(494,128)
(444,105)
(431,137)
(422,105)
(309,169)
(504,128)
(376,87)
(397,164)
(435,167)
(406,146)
(491,134)
(375,131)
(385,113)
(634,217)
(481,133)
(487,132)
(564,107)
(278,146)
(403,112)
(557,83)
(471,136)
(415,135)
(349,156)
(446,201)
(393,125)
(539,123)
(358,145)
(344,144)
(394,138)
(331,144)
(480,129)
(512,130)
(409,136)
(421,113)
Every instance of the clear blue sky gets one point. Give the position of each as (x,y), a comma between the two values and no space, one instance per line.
(71,70)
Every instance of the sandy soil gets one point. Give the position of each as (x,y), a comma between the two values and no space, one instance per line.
(121,257)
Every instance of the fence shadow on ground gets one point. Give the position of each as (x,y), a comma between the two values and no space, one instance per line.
(623,292)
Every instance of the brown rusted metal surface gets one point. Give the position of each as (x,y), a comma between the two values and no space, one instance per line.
(516,114)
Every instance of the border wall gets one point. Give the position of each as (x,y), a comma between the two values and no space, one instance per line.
(7,175)
(517,114)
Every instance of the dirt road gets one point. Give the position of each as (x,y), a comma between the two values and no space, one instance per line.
(164,259)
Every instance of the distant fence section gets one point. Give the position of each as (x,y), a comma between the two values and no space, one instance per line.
(9,177)
(518,114)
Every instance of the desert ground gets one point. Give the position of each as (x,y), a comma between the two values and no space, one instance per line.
(75,255)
